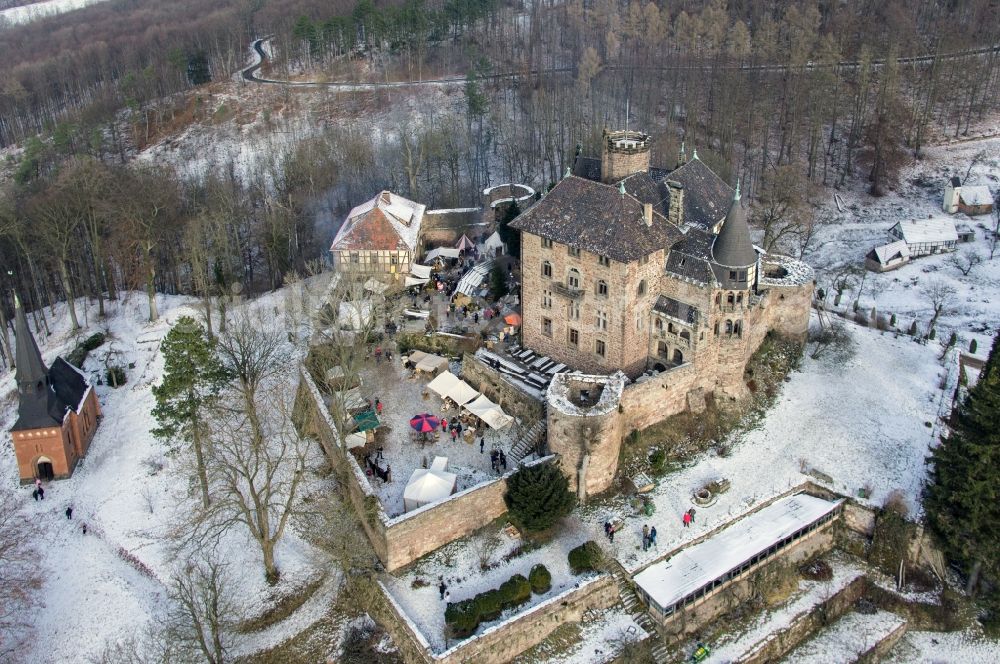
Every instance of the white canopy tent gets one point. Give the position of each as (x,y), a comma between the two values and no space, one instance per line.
(443,383)
(441,252)
(489,412)
(356,439)
(428,485)
(462,393)
(433,364)
(493,243)
(420,271)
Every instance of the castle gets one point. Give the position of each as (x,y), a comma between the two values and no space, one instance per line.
(647,282)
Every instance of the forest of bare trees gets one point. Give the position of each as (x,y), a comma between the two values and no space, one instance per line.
(789,96)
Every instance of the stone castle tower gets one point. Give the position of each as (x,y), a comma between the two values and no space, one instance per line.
(623,153)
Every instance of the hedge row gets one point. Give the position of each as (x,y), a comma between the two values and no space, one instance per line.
(464,617)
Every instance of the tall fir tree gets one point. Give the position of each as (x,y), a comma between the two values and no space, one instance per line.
(192,379)
(538,496)
(962,500)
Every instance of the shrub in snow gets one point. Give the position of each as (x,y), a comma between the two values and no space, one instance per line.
(116,376)
(538,496)
(540,579)
(972,346)
(489,604)
(913,329)
(514,591)
(462,617)
(658,461)
(892,320)
(933,334)
(585,558)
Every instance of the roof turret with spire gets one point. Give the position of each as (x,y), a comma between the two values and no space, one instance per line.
(732,246)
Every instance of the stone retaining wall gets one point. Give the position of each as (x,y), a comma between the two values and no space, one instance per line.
(491,382)
(504,641)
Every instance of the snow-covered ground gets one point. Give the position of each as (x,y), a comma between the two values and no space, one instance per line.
(91,594)
(33,12)
(859,419)
(846,639)
(944,647)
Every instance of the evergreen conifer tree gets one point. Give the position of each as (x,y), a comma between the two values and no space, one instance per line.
(961,496)
(538,496)
(192,379)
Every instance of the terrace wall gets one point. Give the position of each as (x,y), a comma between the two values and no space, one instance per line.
(400,540)
(504,641)
(498,389)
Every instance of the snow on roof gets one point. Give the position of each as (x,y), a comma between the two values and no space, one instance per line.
(671,580)
(976,195)
(891,251)
(403,215)
(473,279)
(924,231)
(447,252)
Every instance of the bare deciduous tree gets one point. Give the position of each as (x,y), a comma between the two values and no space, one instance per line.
(829,338)
(20,577)
(965,261)
(202,612)
(940,295)
(782,209)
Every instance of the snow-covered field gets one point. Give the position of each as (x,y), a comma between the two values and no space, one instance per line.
(91,595)
(944,647)
(846,639)
(33,12)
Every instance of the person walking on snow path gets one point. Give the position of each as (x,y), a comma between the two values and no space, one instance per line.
(69,511)
(34,494)
(645,537)
(442,588)
(652,536)
(41,493)
(84,529)
(691,512)
(444,424)
(482,444)
(687,519)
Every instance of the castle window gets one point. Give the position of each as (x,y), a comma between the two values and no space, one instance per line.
(685,335)
(574,337)
(718,298)
(599,347)
(642,287)
(573,279)
(546,243)
(662,350)
(573,251)
(729,327)
(678,357)
(393,259)
(602,288)
(604,260)
(547,269)
(355,257)
(730,299)
(602,320)
(573,311)
(671,328)
(546,299)
(547,327)
(658,324)
(643,260)
(716,328)
(738,329)
(732,275)
(739,298)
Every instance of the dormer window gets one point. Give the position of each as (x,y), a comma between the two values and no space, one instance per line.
(573,251)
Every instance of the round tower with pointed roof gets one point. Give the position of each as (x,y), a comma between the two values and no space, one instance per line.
(734,259)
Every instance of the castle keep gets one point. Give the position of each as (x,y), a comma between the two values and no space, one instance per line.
(648,282)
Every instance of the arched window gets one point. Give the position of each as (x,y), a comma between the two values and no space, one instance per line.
(602,288)
(658,324)
(661,350)
(738,328)
(739,298)
(642,287)
(718,298)
(573,279)
(685,335)
(730,299)
(547,269)
(678,357)
(729,327)
(671,328)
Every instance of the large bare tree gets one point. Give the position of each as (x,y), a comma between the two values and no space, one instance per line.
(20,576)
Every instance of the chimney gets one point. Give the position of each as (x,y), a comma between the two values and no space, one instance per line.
(676,212)
(647,213)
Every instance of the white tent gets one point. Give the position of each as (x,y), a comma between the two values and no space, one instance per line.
(489,412)
(443,383)
(356,439)
(462,393)
(350,399)
(441,252)
(428,485)
(432,364)
(464,243)
(493,243)
(420,271)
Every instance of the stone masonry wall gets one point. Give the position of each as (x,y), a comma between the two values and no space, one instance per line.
(658,397)
(443,228)
(596,436)
(497,389)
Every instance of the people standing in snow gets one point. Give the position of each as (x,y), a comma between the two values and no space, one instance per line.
(482,444)
(442,588)
(687,519)
(41,493)
(34,494)
(69,512)
(645,537)
(84,529)
(652,536)
(691,512)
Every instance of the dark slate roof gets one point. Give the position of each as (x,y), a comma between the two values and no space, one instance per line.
(642,187)
(30,367)
(689,258)
(595,217)
(659,174)
(732,246)
(44,395)
(706,195)
(676,309)
(587,167)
